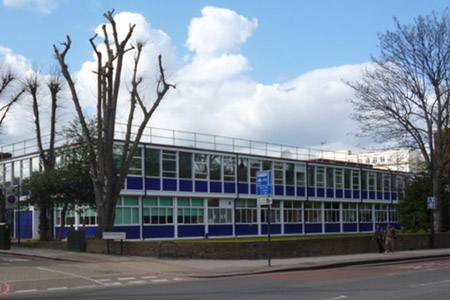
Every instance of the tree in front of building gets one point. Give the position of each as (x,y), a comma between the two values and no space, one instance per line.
(109,168)
(403,97)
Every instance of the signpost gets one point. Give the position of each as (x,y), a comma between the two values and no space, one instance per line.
(264,188)
(12,196)
(431,204)
(116,236)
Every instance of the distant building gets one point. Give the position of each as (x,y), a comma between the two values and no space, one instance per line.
(410,161)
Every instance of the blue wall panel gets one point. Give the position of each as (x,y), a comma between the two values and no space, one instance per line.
(133,232)
(379,195)
(311,192)
(91,231)
(320,192)
(230,187)
(279,190)
(365,195)
(191,230)
(220,230)
(253,188)
(339,193)
(201,186)
(153,184)
(301,192)
(372,195)
(169,184)
(355,194)
(365,227)
(348,194)
(290,190)
(330,193)
(350,227)
(159,231)
(313,228)
(293,228)
(26,225)
(186,185)
(10,219)
(243,188)
(387,196)
(134,183)
(332,227)
(394,196)
(242,229)
(274,229)
(215,187)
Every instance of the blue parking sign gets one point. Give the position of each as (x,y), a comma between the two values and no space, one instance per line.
(431,203)
(264,183)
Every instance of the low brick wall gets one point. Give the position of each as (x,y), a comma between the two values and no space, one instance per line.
(258,250)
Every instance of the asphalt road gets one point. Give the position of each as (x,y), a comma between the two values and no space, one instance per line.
(412,280)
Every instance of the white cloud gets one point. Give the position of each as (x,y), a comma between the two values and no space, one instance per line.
(43,6)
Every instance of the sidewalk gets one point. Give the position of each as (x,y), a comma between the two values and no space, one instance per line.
(221,268)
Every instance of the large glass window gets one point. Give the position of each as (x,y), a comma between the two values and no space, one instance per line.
(8,174)
(255,166)
(300,172)
(330,178)
(127,210)
(349,211)
(16,177)
(246,211)
(393,214)
(201,166)
(386,182)
(289,174)
(185,164)
(158,210)
(218,213)
(26,169)
(365,213)
(35,165)
(364,180)
(355,179)
(275,213)
(278,173)
(372,181)
(136,163)
(313,212)
(311,176)
(347,179)
(87,216)
(243,169)
(229,168)
(332,212)
(339,176)
(215,167)
(379,182)
(190,211)
(381,213)
(293,212)
(152,162)
(70,217)
(169,164)
(320,176)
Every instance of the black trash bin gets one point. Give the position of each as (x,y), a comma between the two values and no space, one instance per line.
(5,236)
(76,240)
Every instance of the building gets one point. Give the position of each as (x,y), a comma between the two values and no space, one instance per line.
(191,185)
(410,161)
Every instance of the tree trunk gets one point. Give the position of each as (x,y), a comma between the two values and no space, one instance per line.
(63,223)
(43,223)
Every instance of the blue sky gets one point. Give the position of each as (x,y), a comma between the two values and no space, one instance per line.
(306,46)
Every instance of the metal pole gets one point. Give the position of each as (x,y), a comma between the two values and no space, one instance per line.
(268,237)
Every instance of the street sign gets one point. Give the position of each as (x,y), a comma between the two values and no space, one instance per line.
(431,203)
(264,183)
(12,197)
(114,235)
(264,201)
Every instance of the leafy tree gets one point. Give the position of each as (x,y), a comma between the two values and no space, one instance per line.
(403,98)
(108,179)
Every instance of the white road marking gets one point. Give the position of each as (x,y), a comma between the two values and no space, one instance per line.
(430,283)
(137,282)
(127,278)
(102,280)
(68,274)
(159,280)
(58,288)
(337,298)
(25,291)
(178,279)
(148,277)
(113,283)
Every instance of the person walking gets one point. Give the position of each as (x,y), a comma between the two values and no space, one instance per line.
(390,238)
(379,237)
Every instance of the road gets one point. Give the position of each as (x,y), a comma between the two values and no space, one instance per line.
(409,280)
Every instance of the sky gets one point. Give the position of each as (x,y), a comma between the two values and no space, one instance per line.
(273,71)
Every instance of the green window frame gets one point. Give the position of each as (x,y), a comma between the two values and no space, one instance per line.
(127,211)
(190,211)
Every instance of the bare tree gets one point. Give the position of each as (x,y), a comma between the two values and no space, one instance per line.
(46,152)
(404,99)
(107,178)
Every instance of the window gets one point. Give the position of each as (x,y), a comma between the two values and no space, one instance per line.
(347,179)
(8,174)
(339,176)
(289,174)
(349,212)
(330,178)
(386,182)
(293,212)
(70,217)
(275,213)
(169,164)
(364,180)
(367,160)
(218,212)
(401,184)
(379,182)
(190,211)
(311,179)
(246,211)
(201,166)
(255,166)
(332,212)
(313,212)
(365,213)
(215,170)
(381,213)
(243,169)
(229,166)
(372,178)
(382,159)
(35,165)
(355,179)
(266,165)
(16,168)
(300,171)
(26,170)
(152,162)
(158,210)
(87,216)
(127,211)
(374,160)
(278,173)
(185,164)
(320,177)
(393,214)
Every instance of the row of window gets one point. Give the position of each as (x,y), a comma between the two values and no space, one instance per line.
(162,210)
